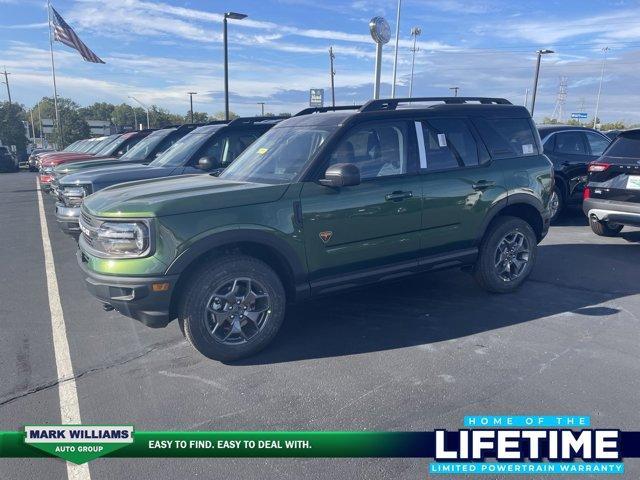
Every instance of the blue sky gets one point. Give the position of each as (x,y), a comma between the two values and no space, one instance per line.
(158,51)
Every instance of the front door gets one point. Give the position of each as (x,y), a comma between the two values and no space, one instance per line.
(371,226)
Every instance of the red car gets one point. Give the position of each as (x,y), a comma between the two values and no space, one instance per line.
(112,146)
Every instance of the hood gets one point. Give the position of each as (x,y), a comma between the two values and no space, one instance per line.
(72,167)
(102,177)
(59,159)
(176,195)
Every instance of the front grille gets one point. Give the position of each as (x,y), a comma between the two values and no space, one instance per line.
(89,228)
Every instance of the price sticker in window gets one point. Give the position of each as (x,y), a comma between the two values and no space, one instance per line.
(262,151)
(527,149)
(442,140)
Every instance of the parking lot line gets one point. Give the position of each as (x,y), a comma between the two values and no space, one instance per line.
(69,405)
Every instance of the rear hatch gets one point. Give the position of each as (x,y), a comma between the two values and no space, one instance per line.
(616,175)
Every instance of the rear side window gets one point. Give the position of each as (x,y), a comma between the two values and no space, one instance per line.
(507,137)
(570,143)
(597,143)
(448,143)
(626,146)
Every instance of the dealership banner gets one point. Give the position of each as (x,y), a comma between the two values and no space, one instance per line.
(486,444)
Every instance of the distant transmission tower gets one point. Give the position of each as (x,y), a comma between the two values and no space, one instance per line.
(561,97)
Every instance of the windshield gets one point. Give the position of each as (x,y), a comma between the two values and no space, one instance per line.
(100,144)
(108,147)
(626,145)
(184,149)
(144,148)
(279,155)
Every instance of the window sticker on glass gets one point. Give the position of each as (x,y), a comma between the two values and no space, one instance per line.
(442,140)
(262,151)
(527,149)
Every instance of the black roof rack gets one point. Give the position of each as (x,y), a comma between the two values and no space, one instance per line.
(392,103)
(310,110)
(254,120)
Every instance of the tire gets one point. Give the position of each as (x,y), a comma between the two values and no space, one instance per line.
(558,197)
(203,314)
(603,229)
(495,248)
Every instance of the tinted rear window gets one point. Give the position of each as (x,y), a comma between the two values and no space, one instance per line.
(507,137)
(625,145)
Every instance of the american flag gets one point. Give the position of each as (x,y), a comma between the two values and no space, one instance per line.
(63,33)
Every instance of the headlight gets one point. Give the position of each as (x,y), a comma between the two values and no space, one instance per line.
(47,170)
(117,239)
(73,195)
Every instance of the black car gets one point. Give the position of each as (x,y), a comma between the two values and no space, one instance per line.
(612,194)
(8,162)
(570,149)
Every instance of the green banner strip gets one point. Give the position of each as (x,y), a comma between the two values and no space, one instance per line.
(250,444)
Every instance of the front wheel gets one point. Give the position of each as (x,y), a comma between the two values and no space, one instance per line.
(507,255)
(232,307)
(603,229)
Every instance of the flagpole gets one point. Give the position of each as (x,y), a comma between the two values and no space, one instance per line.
(53,74)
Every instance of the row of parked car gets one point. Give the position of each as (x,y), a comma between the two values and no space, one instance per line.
(286,209)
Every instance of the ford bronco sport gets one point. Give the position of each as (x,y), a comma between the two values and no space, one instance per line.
(332,198)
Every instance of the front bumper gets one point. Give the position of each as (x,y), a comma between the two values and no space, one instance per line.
(45,180)
(133,297)
(622,213)
(68,217)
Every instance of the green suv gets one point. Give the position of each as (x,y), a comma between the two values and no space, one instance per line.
(332,198)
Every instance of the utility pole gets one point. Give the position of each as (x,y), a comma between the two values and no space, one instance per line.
(6,82)
(535,78)
(395,60)
(526,97)
(455,90)
(604,61)
(261,108)
(415,31)
(332,73)
(191,94)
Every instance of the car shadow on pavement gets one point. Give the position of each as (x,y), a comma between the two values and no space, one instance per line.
(445,305)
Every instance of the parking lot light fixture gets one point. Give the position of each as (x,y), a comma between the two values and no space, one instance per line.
(143,106)
(191,94)
(535,79)
(232,16)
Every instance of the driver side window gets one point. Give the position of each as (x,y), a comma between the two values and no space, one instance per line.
(378,150)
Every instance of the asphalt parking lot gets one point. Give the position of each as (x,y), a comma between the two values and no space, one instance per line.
(414,355)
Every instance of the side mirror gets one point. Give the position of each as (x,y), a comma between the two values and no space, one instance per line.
(205,164)
(341,175)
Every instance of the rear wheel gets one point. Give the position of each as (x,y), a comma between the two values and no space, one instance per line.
(604,229)
(232,307)
(507,255)
(556,203)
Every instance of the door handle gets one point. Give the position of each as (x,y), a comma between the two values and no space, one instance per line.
(483,185)
(397,196)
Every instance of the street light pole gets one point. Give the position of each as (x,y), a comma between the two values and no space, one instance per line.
(604,61)
(261,108)
(415,31)
(332,74)
(6,82)
(395,60)
(535,79)
(191,94)
(143,106)
(455,90)
(232,16)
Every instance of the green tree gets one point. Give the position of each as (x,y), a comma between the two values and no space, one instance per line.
(12,126)
(98,111)
(198,117)
(125,115)
(161,117)
(220,115)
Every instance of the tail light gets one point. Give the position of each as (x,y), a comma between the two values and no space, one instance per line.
(598,167)
(586,193)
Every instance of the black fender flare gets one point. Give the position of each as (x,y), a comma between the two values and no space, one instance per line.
(229,237)
(511,199)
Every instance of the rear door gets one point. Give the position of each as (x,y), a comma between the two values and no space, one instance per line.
(459,184)
(571,153)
